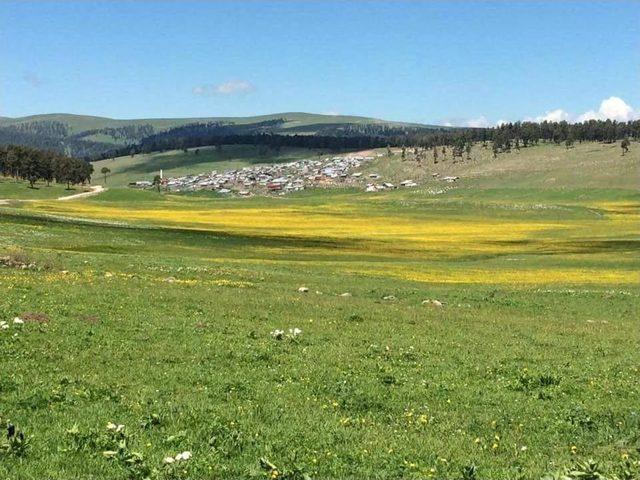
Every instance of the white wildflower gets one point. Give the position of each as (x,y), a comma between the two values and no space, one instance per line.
(277,334)
(4,325)
(18,321)
(116,428)
(168,460)
(294,332)
(183,456)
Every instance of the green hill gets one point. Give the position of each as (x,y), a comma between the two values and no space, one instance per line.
(81,123)
(90,136)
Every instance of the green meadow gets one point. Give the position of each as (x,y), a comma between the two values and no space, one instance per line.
(482,329)
(19,190)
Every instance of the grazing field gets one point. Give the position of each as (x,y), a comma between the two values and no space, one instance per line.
(20,190)
(469,330)
(549,167)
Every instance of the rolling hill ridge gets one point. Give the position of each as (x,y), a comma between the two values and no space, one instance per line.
(91,136)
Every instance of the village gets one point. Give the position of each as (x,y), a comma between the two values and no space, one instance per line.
(283,178)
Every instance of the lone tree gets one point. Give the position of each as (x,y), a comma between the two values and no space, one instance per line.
(457,149)
(467,149)
(568,143)
(625,146)
(105,171)
(157,180)
(435,155)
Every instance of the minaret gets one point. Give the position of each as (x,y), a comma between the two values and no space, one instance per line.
(161,177)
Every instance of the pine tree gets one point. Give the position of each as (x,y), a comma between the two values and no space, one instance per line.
(625,146)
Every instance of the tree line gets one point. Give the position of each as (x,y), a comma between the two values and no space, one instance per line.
(55,136)
(502,138)
(33,165)
(58,136)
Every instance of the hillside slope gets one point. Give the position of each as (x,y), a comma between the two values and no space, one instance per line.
(81,123)
(91,136)
(587,165)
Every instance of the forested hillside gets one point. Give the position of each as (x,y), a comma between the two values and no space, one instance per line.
(95,138)
(92,137)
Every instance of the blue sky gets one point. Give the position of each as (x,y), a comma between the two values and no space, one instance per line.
(433,62)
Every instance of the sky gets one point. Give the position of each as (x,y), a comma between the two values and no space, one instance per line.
(458,62)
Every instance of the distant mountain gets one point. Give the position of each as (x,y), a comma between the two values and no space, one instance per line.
(83,135)
(81,123)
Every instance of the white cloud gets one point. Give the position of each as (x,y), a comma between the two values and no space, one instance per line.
(586,116)
(616,109)
(613,108)
(232,87)
(556,115)
(480,122)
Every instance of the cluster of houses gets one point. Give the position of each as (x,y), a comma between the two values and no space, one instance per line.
(281,178)
(277,178)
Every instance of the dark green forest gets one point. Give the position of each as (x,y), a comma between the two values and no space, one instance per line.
(33,165)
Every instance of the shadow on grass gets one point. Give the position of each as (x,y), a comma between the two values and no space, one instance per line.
(178,236)
(556,247)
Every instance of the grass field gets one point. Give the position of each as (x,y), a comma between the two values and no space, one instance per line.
(18,190)
(546,166)
(156,312)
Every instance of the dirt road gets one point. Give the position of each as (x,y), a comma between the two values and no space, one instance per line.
(93,190)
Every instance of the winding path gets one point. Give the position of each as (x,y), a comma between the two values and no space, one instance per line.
(93,190)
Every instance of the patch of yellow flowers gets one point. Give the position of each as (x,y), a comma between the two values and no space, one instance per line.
(409,243)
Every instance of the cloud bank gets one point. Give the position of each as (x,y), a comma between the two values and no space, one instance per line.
(232,87)
(480,122)
(612,108)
